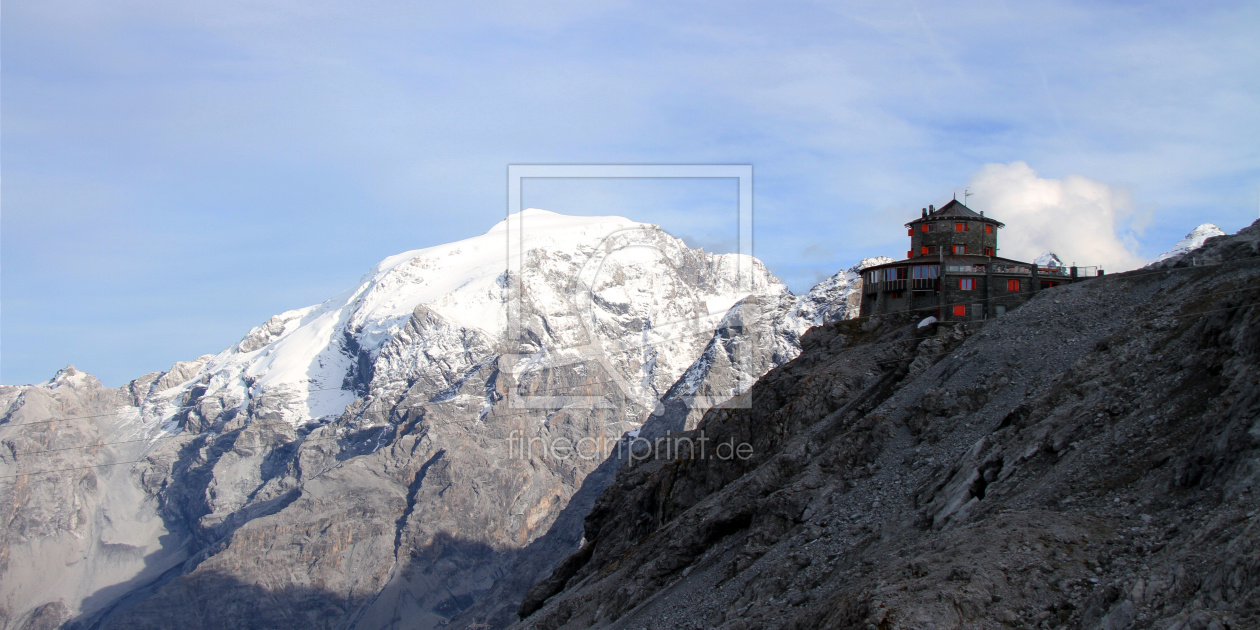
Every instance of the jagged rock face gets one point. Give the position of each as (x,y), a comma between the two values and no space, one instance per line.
(838,297)
(382,456)
(1089,460)
(71,536)
(728,364)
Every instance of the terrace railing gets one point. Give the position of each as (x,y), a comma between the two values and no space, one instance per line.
(1012,269)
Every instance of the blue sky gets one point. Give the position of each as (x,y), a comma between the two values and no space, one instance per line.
(174,173)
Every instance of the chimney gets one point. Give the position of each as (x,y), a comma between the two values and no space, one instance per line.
(925,213)
(931,209)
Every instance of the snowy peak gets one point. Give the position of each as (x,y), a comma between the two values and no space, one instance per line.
(1048,259)
(871,262)
(72,378)
(1194,240)
(599,285)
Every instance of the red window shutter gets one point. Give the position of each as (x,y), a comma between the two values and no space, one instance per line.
(988,229)
(910,253)
(988,251)
(923,251)
(960,227)
(923,228)
(1012,285)
(910,232)
(960,310)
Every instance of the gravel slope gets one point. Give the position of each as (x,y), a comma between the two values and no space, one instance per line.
(1088,461)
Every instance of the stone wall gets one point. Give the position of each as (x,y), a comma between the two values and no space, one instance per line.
(943,234)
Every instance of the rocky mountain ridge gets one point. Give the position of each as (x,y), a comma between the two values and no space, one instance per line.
(1089,460)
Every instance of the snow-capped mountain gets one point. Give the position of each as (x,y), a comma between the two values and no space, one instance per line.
(380,451)
(1194,240)
(311,363)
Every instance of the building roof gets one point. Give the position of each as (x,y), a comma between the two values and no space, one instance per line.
(956,210)
(949,259)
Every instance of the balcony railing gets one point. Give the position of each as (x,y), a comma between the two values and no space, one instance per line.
(1056,272)
(1020,270)
(964,268)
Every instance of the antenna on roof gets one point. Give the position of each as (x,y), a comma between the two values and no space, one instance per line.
(966,193)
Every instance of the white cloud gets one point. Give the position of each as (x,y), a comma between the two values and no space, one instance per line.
(1080,219)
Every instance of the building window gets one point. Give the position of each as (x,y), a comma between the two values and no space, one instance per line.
(988,229)
(896,295)
(960,249)
(926,272)
(960,310)
(1047,284)
(1012,285)
(967,284)
(999,310)
(988,251)
(960,227)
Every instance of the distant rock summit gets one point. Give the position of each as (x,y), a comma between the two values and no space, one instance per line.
(1194,240)
(388,453)
(1048,260)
